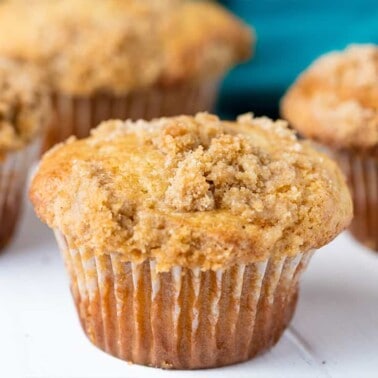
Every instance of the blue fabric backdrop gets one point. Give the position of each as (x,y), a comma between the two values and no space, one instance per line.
(290,34)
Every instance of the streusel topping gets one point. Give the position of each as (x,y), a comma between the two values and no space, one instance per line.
(336,100)
(24,107)
(192,191)
(87,46)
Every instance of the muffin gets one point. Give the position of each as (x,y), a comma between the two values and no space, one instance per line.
(335,102)
(185,237)
(24,111)
(124,59)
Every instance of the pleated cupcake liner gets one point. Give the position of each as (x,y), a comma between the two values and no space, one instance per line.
(362,175)
(13,174)
(77,115)
(184,318)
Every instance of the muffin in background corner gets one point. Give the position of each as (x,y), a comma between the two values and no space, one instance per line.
(24,114)
(185,237)
(335,102)
(124,59)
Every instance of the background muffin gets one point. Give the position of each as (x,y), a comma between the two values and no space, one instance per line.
(335,102)
(24,112)
(124,59)
(185,237)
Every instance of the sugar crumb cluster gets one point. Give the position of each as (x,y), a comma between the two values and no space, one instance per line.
(192,190)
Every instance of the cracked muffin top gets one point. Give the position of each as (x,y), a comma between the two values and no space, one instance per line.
(88,46)
(335,101)
(192,191)
(24,106)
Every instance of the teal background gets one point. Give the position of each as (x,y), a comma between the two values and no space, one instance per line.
(290,35)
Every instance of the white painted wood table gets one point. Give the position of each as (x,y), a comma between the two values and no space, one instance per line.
(334,332)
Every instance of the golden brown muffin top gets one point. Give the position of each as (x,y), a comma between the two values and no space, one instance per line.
(335,101)
(88,46)
(24,106)
(192,191)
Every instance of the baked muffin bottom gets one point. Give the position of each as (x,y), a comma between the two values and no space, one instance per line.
(75,115)
(361,170)
(14,169)
(184,318)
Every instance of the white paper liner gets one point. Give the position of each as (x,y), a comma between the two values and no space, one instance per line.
(185,318)
(13,174)
(76,116)
(362,175)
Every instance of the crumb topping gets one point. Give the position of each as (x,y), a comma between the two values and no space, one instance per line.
(87,46)
(192,191)
(24,108)
(336,99)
